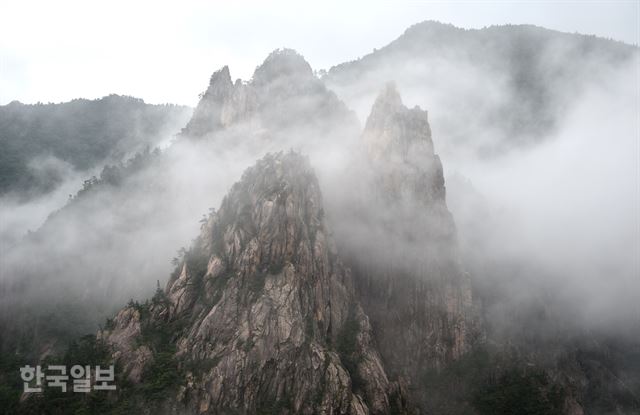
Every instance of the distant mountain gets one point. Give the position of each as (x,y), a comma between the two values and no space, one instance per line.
(263,299)
(156,197)
(337,288)
(283,102)
(39,142)
(512,85)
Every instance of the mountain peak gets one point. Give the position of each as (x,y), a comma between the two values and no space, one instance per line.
(414,268)
(221,104)
(282,63)
(431,25)
(283,94)
(221,76)
(388,99)
(395,131)
(268,313)
(220,85)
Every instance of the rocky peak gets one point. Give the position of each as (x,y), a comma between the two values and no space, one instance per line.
(397,141)
(405,261)
(262,309)
(220,80)
(394,132)
(283,96)
(388,101)
(286,79)
(430,28)
(222,104)
(282,63)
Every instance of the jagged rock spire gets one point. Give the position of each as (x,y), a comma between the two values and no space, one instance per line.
(388,100)
(213,110)
(268,313)
(398,143)
(393,131)
(220,81)
(282,63)
(283,94)
(405,261)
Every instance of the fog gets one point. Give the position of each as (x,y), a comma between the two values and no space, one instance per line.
(113,241)
(20,216)
(184,42)
(550,214)
(566,210)
(541,159)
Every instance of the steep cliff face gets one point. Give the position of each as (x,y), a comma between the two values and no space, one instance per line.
(221,104)
(283,96)
(407,271)
(398,144)
(261,313)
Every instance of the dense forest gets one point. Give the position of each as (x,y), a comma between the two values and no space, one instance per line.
(39,143)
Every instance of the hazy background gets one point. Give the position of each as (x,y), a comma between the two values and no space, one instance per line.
(537,131)
(161,51)
(552,212)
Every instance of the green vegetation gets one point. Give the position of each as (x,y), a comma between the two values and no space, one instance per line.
(245,345)
(614,386)
(256,282)
(113,175)
(10,382)
(161,374)
(278,406)
(482,382)
(197,261)
(199,367)
(276,268)
(218,287)
(309,326)
(87,350)
(82,133)
(346,346)
(522,392)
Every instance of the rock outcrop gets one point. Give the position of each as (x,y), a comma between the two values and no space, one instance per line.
(261,313)
(408,274)
(284,96)
(222,104)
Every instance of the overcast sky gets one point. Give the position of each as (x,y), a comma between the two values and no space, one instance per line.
(53,51)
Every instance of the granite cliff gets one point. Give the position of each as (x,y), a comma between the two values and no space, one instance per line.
(261,312)
(407,269)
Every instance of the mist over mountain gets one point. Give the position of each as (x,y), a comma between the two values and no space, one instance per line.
(149,211)
(47,151)
(528,121)
(481,257)
(284,104)
(265,300)
(512,85)
(77,135)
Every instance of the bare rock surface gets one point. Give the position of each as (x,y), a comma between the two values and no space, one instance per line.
(408,273)
(284,96)
(262,311)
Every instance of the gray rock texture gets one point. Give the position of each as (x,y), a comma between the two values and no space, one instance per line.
(262,310)
(407,269)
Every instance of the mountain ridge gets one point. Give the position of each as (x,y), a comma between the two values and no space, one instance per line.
(274,310)
(395,318)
